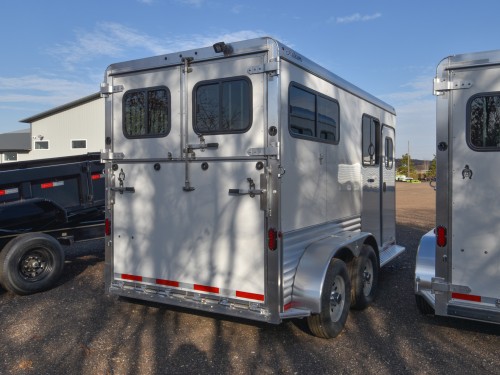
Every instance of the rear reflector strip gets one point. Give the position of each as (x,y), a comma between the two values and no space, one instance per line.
(131,277)
(255,296)
(206,288)
(466,297)
(9,191)
(48,185)
(196,287)
(175,284)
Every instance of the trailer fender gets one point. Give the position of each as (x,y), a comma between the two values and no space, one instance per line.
(313,265)
(425,265)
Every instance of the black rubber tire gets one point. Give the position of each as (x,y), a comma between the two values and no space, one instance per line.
(423,307)
(364,278)
(335,302)
(31,263)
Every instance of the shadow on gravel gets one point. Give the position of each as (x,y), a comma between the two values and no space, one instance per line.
(79,257)
(77,328)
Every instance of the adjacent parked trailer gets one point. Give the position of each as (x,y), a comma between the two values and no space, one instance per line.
(43,204)
(247,180)
(458,264)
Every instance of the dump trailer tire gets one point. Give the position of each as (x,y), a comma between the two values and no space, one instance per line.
(364,278)
(335,302)
(423,307)
(31,263)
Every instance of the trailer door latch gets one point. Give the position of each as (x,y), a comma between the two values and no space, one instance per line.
(252,191)
(122,189)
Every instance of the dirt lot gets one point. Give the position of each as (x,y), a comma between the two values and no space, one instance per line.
(76,328)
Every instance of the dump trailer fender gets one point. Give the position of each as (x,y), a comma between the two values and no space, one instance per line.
(30,214)
(314,263)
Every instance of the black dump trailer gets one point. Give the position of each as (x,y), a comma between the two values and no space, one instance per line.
(45,204)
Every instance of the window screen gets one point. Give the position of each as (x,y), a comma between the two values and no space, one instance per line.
(370,142)
(312,115)
(484,122)
(389,153)
(146,113)
(223,106)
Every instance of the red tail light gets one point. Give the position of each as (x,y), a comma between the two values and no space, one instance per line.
(272,239)
(441,237)
(107,227)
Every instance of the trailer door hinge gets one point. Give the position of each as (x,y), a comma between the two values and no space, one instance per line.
(108,89)
(271,67)
(439,285)
(443,85)
(272,150)
(108,155)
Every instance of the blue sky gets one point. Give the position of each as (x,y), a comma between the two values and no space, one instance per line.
(57,51)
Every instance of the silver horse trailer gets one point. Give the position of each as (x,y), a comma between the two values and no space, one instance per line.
(246,180)
(458,263)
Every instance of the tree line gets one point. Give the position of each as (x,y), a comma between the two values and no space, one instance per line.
(416,169)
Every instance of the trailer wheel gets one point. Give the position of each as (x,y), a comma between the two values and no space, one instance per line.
(335,302)
(364,278)
(423,307)
(31,263)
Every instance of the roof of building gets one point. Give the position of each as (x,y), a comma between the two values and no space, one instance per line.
(61,108)
(16,141)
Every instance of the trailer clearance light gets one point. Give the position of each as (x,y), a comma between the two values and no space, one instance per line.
(107,227)
(441,239)
(272,239)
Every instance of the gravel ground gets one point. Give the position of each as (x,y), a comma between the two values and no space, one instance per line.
(76,328)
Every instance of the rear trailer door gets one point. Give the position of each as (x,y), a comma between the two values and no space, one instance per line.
(474,267)
(187,219)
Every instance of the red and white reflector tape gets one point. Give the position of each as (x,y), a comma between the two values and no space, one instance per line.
(194,287)
(466,297)
(97,176)
(48,185)
(9,191)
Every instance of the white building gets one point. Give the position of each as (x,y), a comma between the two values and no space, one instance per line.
(72,129)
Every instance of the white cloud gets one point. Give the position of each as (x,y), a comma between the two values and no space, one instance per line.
(356,17)
(116,41)
(107,39)
(44,91)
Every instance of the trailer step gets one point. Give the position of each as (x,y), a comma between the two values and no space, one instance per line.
(390,253)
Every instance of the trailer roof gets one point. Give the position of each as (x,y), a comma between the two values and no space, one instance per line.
(467,60)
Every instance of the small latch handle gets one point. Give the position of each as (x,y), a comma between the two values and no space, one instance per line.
(122,190)
(252,192)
